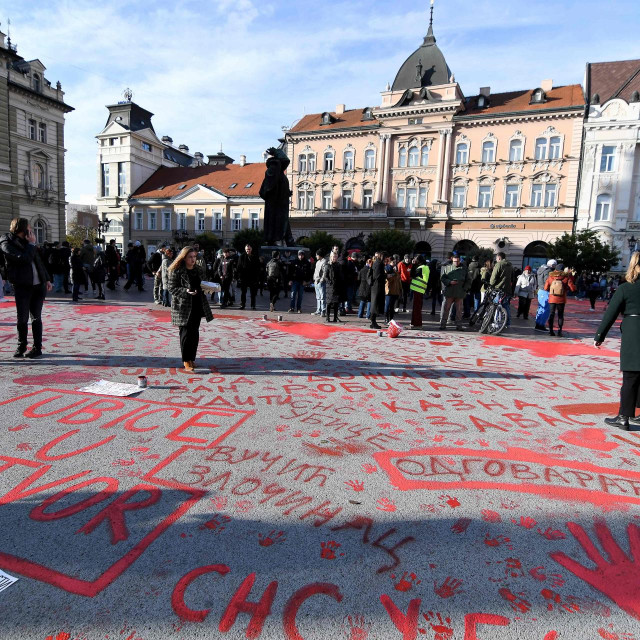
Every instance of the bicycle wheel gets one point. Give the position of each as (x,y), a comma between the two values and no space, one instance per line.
(499,321)
(487,319)
(477,315)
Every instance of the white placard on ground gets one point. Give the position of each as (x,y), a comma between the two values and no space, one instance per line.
(210,286)
(6,580)
(108,388)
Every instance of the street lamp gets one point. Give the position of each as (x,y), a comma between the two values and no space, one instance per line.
(633,244)
(103,227)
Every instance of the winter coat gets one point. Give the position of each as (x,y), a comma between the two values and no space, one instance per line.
(542,274)
(226,270)
(155,262)
(334,277)
(526,285)
(377,280)
(485,276)
(393,286)
(300,271)
(166,262)
(99,269)
(626,300)
(405,271)
(501,278)
(274,281)
(567,283)
(20,257)
(111,255)
(433,281)
(364,288)
(248,270)
(318,268)
(460,274)
(474,276)
(78,274)
(88,255)
(181,301)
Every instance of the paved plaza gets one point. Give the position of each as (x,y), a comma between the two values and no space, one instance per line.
(314,481)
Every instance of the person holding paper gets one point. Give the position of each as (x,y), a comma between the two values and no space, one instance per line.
(188,303)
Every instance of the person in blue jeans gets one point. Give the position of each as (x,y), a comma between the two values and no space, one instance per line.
(300,274)
(542,315)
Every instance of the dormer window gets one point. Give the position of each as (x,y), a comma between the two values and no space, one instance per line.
(37,83)
(538,96)
(327,118)
(367,114)
(233,186)
(248,185)
(181,187)
(482,102)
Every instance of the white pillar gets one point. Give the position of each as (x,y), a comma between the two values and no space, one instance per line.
(446,167)
(380,168)
(440,162)
(387,168)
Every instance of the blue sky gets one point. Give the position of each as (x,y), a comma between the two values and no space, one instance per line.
(233,72)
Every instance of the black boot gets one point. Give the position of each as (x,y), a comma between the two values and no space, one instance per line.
(622,422)
(34,352)
(374,324)
(19,352)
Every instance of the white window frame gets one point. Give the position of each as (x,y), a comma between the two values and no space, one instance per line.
(608,160)
(370,159)
(482,191)
(254,216)
(414,156)
(422,197)
(516,150)
(40,230)
(236,220)
(327,199)
(217,220)
(537,195)
(138,219)
(367,198)
(462,153)
(302,163)
(166,219)
(42,132)
(152,220)
(32,129)
(201,224)
(145,146)
(402,157)
(555,148)
(311,162)
(603,208)
(349,160)
(122,179)
(551,195)
(459,196)
(412,200)
(105,180)
(541,148)
(424,155)
(488,152)
(182,220)
(329,160)
(510,190)
(347,199)
(401,197)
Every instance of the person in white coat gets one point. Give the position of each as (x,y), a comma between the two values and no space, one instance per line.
(526,291)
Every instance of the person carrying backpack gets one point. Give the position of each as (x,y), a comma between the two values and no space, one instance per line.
(274,279)
(558,284)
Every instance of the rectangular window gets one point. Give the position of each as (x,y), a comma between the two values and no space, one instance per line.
(138,220)
(328,162)
(348,161)
(121,179)
(415,120)
(412,199)
(105,180)
(347,199)
(32,129)
(166,220)
(255,220)
(369,159)
(42,132)
(310,200)
(146,146)
(115,226)
(484,197)
(515,151)
(113,142)
(541,149)
(401,197)
(200,220)
(182,220)
(536,195)
(511,196)
(367,199)
(302,200)
(488,152)
(311,159)
(422,197)
(608,160)
(217,220)
(152,220)
(458,197)
(550,195)
(237,221)
(555,148)
(462,154)
(327,200)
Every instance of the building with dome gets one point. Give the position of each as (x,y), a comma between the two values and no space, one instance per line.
(457,172)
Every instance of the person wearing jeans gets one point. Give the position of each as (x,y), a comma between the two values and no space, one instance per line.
(28,274)
(454,278)
(300,273)
(557,284)
(320,287)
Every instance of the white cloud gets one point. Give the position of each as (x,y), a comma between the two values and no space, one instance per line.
(235,71)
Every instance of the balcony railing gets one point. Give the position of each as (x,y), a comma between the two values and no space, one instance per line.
(338,213)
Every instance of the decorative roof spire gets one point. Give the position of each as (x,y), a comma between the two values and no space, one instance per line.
(430,38)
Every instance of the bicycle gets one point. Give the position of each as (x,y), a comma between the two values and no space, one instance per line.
(495,317)
(479,313)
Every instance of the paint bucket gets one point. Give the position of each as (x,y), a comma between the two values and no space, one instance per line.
(279,318)
(142,382)
(394,329)
(264,317)
(380,334)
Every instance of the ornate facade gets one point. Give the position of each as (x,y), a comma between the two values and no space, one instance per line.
(491,170)
(31,145)
(610,175)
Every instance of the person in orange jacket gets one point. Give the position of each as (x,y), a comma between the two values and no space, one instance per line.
(558,284)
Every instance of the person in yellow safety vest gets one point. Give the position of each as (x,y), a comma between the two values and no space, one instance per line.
(419,288)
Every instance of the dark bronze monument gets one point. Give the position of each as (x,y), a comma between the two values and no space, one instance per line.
(275,192)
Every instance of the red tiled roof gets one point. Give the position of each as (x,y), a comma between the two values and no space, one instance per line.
(218,177)
(559,97)
(615,79)
(350,118)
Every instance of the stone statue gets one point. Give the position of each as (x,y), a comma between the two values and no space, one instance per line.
(276,193)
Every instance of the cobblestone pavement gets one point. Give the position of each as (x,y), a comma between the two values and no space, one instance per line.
(314,481)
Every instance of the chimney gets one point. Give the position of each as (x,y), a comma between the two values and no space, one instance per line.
(243,160)
(167,139)
(547,85)
(198,156)
(485,91)
(184,148)
(340,109)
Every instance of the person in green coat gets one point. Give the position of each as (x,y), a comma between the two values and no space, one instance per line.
(455,282)
(626,300)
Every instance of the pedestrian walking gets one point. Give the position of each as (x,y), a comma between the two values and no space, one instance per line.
(274,279)
(78,274)
(558,284)
(155,266)
(248,271)
(112,258)
(99,272)
(333,276)
(393,292)
(226,274)
(525,290)
(135,263)
(405,268)
(188,303)
(542,315)
(377,279)
(455,281)
(167,259)
(30,279)
(626,300)
(364,291)
(319,285)
(299,275)
(88,257)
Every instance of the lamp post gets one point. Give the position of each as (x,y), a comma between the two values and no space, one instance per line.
(633,244)
(103,227)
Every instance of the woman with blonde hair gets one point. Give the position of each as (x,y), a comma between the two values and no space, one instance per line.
(188,303)
(626,300)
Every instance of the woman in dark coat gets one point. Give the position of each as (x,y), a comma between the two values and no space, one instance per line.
(626,300)
(364,291)
(99,272)
(78,274)
(333,275)
(188,303)
(377,280)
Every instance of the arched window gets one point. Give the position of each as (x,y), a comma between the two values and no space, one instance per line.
(402,157)
(488,152)
(424,156)
(302,163)
(328,160)
(414,157)
(40,231)
(311,162)
(39,179)
(462,153)
(306,197)
(37,83)
(369,159)
(348,161)
(541,148)
(515,151)
(555,148)
(603,208)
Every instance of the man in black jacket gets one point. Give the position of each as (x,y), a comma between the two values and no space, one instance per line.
(27,273)
(299,275)
(248,271)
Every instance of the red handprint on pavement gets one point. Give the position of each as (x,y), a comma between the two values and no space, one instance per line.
(369,468)
(618,579)
(491,516)
(526,522)
(384,504)
(219,502)
(460,525)
(356,485)
(452,502)
(517,602)
(271,538)
(552,534)
(356,628)
(61,636)
(555,600)
(328,549)
(448,588)
(441,627)
(406,581)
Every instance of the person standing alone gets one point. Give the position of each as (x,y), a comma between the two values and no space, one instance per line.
(30,280)
(248,276)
